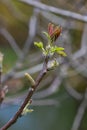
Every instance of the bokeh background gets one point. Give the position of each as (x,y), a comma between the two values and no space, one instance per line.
(60,102)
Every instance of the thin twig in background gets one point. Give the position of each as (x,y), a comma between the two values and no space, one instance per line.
(33,23)
(11,41)
(1,61)
(80,113)
(72,92)
(56,10)
(83,50)
(2,95)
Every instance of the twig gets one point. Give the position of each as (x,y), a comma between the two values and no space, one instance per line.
(72,92)
(3,92)
(40,102)
(1,60)
(60,20)
(14,74)
(2,95)
(56,10)
(80,113)
(32,30)
(83,50)
(11,41)
(28,97)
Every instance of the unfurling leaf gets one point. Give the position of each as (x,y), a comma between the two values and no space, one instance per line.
(47,35)
(26,109)
(54,32)
(62,53)
(28,76)
(39,44)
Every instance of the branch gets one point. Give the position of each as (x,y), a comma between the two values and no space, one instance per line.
(56,10)
(28,97)
(1,60)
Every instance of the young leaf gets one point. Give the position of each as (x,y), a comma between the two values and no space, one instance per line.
(62,53)
(59,48)
(28,76)
(39,44)
(26,109)
(47,35)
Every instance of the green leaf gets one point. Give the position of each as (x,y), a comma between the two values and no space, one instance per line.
(47,35)
(29,110)
(39,44)
(56,49)
(59,48)
(62,53)
(26,111)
